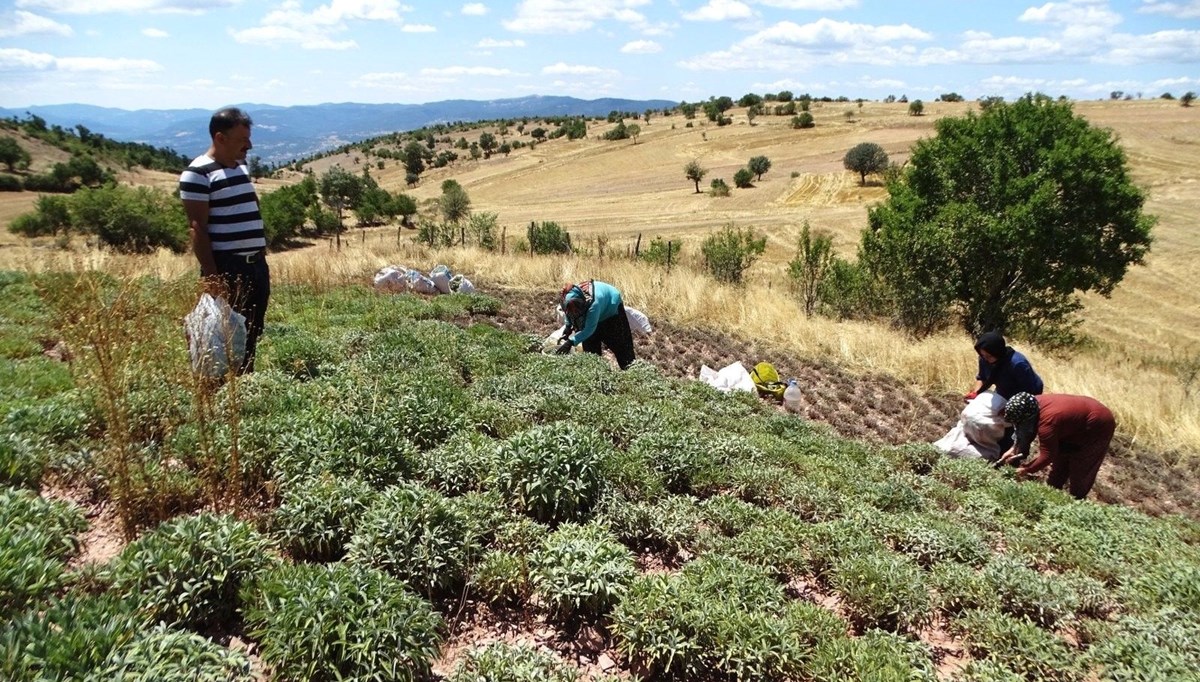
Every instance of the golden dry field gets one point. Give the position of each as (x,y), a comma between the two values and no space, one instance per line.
(1141,339)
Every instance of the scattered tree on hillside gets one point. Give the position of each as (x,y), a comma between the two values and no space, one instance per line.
(916,107)
(405,207)
(814,256)
(951,97)
(13,155)
(454,203)
(1008,215)
(730,252)
(487,142)
(633,130)
(1187,98)
(803,120)
(759,165)
(743,178)
(695,172)
(866,157)
(414,162)
(538,134)
(339,189)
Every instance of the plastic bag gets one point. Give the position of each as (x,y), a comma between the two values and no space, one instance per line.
(440,276)
(216,336)
(420,283)
(729,378)
(392,278)
(638,322)
(979,429)
(461,285)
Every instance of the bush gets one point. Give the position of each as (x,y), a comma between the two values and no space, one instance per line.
(1024,593)
(22,460)
(341,622)
(317,517)
(730,252)
(552,472)
(718,188)
(165,654)
(501,662)
(802,120)
(548,237)
(416,535)
(958,589)
(188,571)
(36,541)
(876,655)
(581,571)
(9,183)
(667,524)
(883,591)
(131,220)
(679,457)
(1162,646)
(460,465)
(502,579)
(1017,645)
(68,639)
(743,178)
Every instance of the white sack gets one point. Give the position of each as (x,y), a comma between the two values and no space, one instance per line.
(392,278)
(461,285)
(440,276)
(978,431)
(729,378)
(216,336)
(420,283)
(551,342)
(638,322)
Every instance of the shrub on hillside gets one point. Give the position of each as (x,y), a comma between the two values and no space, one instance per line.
(718,188)
(316,518)
(10,183)
(548,237)
(730,252)
(552,472)
(679,457)
(341,621)
(665,524)
(131,220)
(581,571)
(459,465)
(502,579)
(416,535)
(188,571)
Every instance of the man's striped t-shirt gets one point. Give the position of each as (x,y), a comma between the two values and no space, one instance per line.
(234,221)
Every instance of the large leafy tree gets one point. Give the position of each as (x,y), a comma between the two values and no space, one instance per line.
(340,189)
(695,172)
(1007,216)
(866,157)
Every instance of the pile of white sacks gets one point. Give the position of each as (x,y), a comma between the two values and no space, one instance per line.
(397,279)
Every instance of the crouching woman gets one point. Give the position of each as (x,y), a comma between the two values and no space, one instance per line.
(595,317)
(1073,434)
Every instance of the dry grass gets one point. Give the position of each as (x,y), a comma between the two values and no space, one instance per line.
(618,190)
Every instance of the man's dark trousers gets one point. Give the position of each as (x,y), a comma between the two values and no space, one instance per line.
(248,281)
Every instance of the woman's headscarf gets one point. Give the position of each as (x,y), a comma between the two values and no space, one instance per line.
(993,343)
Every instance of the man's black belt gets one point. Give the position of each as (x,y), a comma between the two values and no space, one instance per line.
(241,256)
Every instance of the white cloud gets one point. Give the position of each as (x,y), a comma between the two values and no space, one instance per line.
(124,6)
(787,45)
(21,23)
(1073,13)
(1179,46)
(720,10)
(815,5)
(418,28)
(1179,10)
(468,71)
(563,69)
(641,47)
(14,59)
(491,43)
(474,9)
(155,33)
(572,16)
(289,24)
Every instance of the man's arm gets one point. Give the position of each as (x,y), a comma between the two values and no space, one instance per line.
(197,217)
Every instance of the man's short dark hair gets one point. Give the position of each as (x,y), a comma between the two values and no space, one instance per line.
(227,119)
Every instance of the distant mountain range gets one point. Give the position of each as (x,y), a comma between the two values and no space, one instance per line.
(282,134)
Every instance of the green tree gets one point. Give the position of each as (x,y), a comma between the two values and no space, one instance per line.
(1008,215)
(759,165)
(538,134)
(814,256)
(730,252)
(340,189)
(131,220)
(866,157)
(284,212)
(413,156)
(743,178)
(487,142)
(695,172)
(405,207)
(803,120)
(1187,98)
(454,203)
(916,107)
(13,155)
(483,228)
(633,130)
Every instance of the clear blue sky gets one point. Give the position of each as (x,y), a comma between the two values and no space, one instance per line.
(168,54)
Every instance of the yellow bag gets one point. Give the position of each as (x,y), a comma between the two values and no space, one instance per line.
(766,380)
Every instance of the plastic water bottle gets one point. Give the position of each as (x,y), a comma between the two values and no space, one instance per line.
(791,396)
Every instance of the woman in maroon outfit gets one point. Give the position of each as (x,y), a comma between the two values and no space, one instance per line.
(1073,434)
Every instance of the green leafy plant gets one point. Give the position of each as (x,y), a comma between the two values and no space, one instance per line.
(341,621)
(36,541)
(317,517)
(1017,645)
(581,571)
(188,571)
(877,655)
(883,590)
(552,472)
(165,654)
(729,253)
(67,639)
(461,464)
(416,535)
(502,579)
(1025,593)
(500,662)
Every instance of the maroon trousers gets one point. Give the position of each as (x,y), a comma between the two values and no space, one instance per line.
(1079,459)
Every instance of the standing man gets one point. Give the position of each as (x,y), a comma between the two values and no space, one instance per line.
(1073,434)
(596,315)
(225,224)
